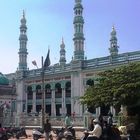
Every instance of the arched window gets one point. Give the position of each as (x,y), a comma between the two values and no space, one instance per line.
(68,89)
(90,82)
(29,93)
(48,91)
(58,91)
(38,92)
(79,12)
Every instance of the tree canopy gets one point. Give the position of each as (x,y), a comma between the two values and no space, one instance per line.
(118,86)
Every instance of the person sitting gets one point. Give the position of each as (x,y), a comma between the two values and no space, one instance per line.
(91,125)
(96,133)
(101,120)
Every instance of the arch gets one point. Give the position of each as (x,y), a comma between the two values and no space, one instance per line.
(90,82)
(29,108)
(47,91)
(68,89)
(76,12)
(38,97)
(29,88)
(79,12)
(58,90)
(29,93)
(38,92)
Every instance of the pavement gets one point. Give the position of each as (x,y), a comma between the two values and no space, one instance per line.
(79,134)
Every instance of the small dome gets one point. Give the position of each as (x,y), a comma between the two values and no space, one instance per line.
(23,21)
(3,80)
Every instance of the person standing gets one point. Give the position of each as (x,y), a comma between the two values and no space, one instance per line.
(47,129)
(110,119)
(67,121)
(73,116)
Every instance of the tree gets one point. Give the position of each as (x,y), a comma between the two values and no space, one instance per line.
(119,86)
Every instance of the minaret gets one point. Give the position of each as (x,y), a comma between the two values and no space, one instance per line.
(62,54)
(78,29)
(113,43)
(23,43)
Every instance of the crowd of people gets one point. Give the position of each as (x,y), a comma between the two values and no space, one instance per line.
(101,129)
(48,127)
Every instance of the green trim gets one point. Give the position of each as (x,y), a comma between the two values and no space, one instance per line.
(3,80)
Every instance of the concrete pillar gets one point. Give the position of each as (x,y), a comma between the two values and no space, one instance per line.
(98,111)
(34,102)
(63,102)
(53,106)
(26,103)
(112,109)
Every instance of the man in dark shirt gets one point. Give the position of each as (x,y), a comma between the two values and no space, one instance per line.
(47,129)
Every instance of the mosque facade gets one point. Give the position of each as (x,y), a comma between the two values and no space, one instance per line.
(63,83)
(7,101)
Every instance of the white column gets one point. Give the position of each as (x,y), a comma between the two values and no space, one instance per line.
(72,105)
(53,106)
(26,102)
(98,111)
(63,102)
(34,102)
(20,92)
(112,109)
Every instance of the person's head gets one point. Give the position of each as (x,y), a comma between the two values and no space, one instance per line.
(67,115)
(47,120)
(114,125)
(105,123)
(92,120)
(110,114)
(95,121)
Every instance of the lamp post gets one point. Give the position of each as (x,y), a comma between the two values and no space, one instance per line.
(43,95)
(44,66)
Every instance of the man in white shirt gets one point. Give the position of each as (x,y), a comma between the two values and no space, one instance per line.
(96,133)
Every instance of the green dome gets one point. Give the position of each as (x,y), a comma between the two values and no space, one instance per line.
(3,80)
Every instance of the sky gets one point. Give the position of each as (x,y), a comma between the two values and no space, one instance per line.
(50,20)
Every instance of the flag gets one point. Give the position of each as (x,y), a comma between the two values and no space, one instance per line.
(34,63)
(47,60)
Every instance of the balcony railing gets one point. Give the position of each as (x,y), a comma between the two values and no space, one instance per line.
(58,95)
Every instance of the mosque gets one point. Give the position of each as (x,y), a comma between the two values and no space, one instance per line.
(63,83)
(7,100)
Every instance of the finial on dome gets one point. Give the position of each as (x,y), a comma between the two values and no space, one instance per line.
(113,27)
(78,1)
(23,14)
(62,40)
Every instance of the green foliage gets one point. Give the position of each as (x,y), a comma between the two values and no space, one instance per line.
(119,86)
